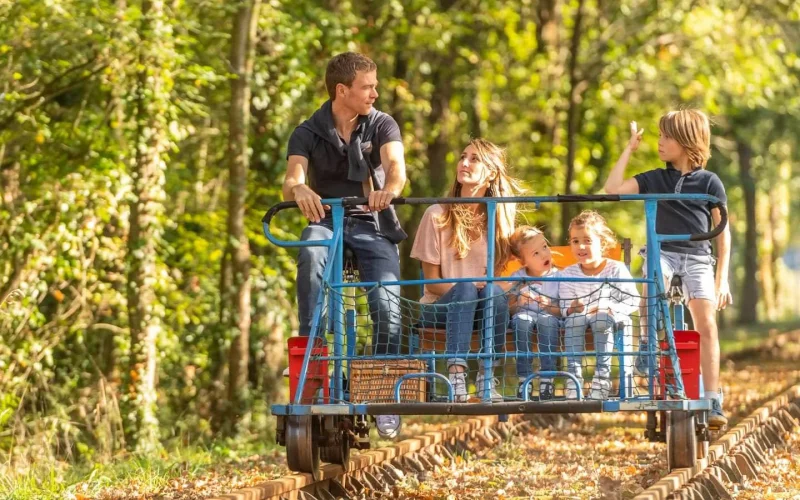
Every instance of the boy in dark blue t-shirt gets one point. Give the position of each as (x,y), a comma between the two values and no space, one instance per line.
(684,143)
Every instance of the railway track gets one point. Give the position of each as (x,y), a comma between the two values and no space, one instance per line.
(372,474)
(733,458)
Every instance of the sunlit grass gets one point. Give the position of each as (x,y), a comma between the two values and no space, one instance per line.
(143,475)
(739,337)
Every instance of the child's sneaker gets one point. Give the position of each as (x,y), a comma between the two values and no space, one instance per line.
(716,418)
(572,391)
(600,389)
(480,385)
(459,383)
(546,389)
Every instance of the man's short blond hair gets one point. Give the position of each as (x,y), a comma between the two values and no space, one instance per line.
(691,128)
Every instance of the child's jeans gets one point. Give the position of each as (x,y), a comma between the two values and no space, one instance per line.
(603,325)
(547,327)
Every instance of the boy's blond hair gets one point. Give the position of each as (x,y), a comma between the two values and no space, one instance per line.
(691,128)
(522,235)
(596,223)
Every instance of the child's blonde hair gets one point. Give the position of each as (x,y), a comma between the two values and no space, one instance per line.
(691,128)
(596,223)
(522,235)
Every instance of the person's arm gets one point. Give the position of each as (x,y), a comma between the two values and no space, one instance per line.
(616,183)
(724,296)
(295,189)
(394,165)
(625,296)
(434,272)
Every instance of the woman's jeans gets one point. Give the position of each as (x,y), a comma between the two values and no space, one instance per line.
(547,327)
(461,310)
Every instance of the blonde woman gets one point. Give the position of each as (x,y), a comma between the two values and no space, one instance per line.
(451,242)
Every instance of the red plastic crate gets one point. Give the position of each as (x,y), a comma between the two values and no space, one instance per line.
(316,374)
(687,343)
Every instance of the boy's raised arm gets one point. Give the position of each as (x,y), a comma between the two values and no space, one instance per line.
(616,184)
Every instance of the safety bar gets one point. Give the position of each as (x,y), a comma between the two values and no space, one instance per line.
(572,198)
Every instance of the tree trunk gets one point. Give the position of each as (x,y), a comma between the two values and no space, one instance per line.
(748,310)
(766,246)
(573,114)
(436,153)
(779,222)
(152,102)
(547,12)
(236,296)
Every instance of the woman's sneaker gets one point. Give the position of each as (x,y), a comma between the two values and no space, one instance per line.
(388,426)
(459,383)
(716,418)
(480,384)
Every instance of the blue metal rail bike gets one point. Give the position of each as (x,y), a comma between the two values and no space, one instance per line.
(338,382)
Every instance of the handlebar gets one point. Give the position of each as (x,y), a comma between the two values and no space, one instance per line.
(571,198)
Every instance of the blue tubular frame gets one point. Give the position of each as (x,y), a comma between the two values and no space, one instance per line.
(332,277)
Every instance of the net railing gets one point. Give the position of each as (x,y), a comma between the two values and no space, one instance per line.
(491,341)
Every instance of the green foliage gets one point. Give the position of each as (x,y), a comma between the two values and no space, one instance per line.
(448,70)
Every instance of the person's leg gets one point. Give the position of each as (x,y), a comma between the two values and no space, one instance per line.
(547,328)
(436,315)
(456,310)
(523,327)
(493,304)
(497,310)
(574,341)
(701,294)
(602,325)
(641,366)
(310,266)
(378,260)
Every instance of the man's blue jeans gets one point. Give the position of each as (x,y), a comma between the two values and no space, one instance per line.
(461,310)
(378,260)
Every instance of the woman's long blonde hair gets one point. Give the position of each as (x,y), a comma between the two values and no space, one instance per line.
(469,225)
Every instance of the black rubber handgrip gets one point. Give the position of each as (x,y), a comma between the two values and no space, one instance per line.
(723,212)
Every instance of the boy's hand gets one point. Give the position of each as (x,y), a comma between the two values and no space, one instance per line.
(724,297)
(636,137)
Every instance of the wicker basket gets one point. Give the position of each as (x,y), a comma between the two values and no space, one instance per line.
(373,381)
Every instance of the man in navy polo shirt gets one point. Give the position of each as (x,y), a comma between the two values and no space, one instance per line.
(348,148)
(684,143)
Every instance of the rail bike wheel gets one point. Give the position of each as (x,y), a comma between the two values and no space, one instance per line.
(337,447)
(302,448)
(682,445)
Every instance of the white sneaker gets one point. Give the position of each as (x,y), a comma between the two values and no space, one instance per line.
(459,383)
(286,372)
(572,391)
(600,389)
(481,387)
(388,426)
